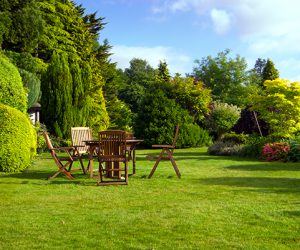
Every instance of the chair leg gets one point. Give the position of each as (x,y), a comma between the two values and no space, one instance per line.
(170,156)
(126,172)
(100,174)
(156,163)
(62,169)
(82,166)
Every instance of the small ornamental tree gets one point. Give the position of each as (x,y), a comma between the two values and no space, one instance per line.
(279,106)
(222,118)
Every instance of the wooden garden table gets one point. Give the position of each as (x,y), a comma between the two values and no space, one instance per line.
(131,147)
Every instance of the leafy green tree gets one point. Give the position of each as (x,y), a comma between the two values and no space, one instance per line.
(157,117)
(32,84)
(279,106)
(135,80)
(256,74)
(30,69)
(226,77)
(191,95)
(269,71)
(98,118)
(163,73)
(119,113)
(5,24)
(259,66)
(23,23)
(140,72)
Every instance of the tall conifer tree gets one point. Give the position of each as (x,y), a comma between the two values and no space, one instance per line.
(56,100)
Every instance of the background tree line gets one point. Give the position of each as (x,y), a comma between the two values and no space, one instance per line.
(55,46)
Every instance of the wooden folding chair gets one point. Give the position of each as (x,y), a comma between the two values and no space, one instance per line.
(168,150)
(112,152)
(72,155)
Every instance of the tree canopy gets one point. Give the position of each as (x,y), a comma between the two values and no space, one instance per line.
(226,77)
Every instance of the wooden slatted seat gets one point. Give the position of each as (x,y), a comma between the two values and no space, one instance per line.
(165,154)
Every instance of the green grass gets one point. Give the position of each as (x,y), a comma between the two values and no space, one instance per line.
(219,203)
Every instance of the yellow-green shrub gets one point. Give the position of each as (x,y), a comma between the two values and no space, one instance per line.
(17,140)
(279,106)
(12,91)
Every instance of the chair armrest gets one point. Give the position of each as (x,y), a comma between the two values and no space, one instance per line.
(64,148)
(162,146)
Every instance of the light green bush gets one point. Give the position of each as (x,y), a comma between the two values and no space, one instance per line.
(17,140)
(12,91)
(222,118)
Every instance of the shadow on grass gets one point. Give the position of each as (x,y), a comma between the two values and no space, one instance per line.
(292,213)
(201,156)
(267,166)
(43,175)
(289,185)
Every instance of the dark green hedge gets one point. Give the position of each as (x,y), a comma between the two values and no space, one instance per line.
(158,118)
(17,140)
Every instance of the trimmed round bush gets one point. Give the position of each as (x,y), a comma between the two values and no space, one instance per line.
(17,140)
(12,91)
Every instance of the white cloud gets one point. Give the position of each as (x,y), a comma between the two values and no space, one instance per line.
(263,24)
(177,62)
(221,21)
(265,28)
(292,66)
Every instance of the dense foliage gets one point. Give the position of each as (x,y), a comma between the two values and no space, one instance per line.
(279,106)
(226,77)
(30,68)
(158,117)
(33,85)
(21,25)
(12,92)
(17,140)
(55,47)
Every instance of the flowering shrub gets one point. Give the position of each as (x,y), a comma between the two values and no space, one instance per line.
(276,151)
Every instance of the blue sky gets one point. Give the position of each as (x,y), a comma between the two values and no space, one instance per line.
(180,31)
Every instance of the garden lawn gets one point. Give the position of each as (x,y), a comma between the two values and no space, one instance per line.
(219,203)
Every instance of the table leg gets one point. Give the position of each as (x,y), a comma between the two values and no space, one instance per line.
(91,167)
(133,161)
(92,149)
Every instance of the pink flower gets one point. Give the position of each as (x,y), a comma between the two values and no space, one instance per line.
(275,151)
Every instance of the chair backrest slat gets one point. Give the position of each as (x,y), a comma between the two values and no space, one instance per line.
(79,135)
(112,143)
